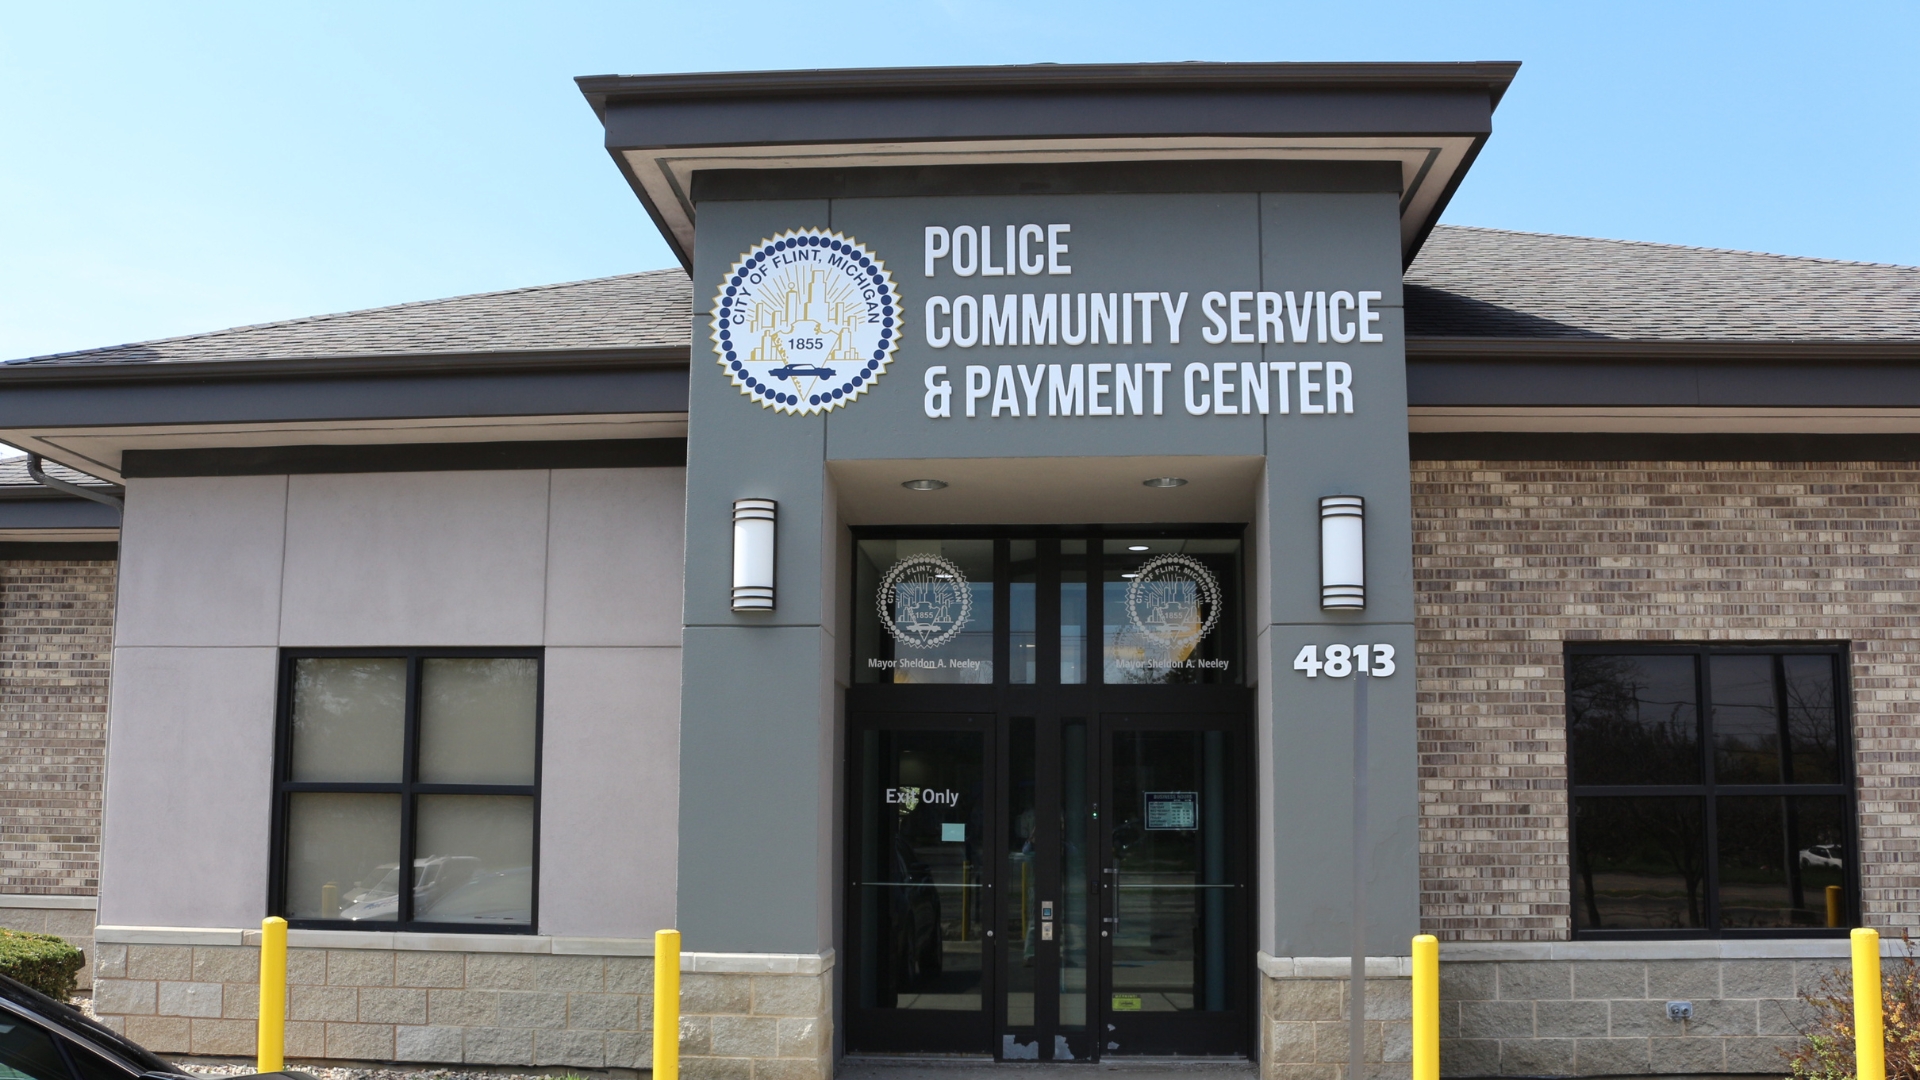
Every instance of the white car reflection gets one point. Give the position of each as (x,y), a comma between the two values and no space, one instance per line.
(1821,855)
(447,888)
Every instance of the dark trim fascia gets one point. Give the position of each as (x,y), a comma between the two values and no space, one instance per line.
(406,457)
(1540,374)
(626,390)
(1058,178)
(54,551)
(648,126)
(1617,350)
(1492,76)
(57,514)
(1658,446)
(397,364)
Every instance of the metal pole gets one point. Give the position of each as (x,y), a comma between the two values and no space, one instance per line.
(1426,1007)
(1869,1040)
(270,1038)
(666,1005)
(1357,976)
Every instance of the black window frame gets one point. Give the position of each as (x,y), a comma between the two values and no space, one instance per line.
(1047,602)
(1709,791)
(408,788)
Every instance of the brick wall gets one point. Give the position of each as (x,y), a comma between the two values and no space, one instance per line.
(56,636)
(1511,559)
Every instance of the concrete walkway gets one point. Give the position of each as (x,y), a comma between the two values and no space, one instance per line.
(871,1068)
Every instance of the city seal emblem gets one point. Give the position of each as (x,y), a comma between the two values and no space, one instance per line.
(1174,600)
(806,321)
(1173,603)
(924,601)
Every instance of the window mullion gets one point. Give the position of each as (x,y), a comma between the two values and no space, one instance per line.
(1709,810)
(1781,723)
(409,777)
(1603,790)
(1001,649)
(1096,646)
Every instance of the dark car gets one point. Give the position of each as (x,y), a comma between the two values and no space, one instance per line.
(43,1039)
(791,370)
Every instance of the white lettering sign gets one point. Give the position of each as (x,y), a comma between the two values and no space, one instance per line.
(911,797)
(1086,320)
(1342,660)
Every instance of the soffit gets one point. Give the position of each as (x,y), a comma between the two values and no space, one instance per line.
(1049,491)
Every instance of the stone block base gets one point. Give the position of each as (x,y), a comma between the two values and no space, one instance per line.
(1304,1009)
(1608,1017)
(743,1017)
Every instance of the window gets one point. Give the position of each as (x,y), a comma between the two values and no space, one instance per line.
(427,760)
(27,1052)
(1710,790)
(1113,607)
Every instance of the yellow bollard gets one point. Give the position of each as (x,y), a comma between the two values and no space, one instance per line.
(1835,897)
(1426,1007)
(666,1005)
(1869,1040)
(271,1039)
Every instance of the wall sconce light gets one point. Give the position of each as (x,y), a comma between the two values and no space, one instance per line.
(753,554)
(1343,552)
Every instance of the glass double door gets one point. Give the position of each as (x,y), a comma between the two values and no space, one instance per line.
(1053,883)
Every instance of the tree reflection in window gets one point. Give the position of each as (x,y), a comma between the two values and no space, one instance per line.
(1642,863)
(1709,790)
(1633,719)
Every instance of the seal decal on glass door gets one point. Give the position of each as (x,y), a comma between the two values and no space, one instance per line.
(1173,603)
(806,321)
(924,601)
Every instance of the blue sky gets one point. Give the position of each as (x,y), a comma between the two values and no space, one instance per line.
(174,168)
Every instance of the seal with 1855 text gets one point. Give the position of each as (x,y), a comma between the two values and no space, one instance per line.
(806,321)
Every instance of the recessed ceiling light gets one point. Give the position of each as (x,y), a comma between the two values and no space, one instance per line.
(1165,481)
(1136,547)
(932,485)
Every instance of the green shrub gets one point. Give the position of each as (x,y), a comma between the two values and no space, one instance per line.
(1826,1053)
(42,961)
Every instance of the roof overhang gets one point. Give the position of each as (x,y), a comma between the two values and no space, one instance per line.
(1429,119)
(89,416)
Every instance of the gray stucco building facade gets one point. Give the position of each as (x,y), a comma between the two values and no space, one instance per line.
(1072,551)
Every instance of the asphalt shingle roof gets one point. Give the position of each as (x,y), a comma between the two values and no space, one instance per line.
(1470,282)
(1467,282)
(644,310)
(14,478)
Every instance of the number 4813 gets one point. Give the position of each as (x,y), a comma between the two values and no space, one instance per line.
(1341,660)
